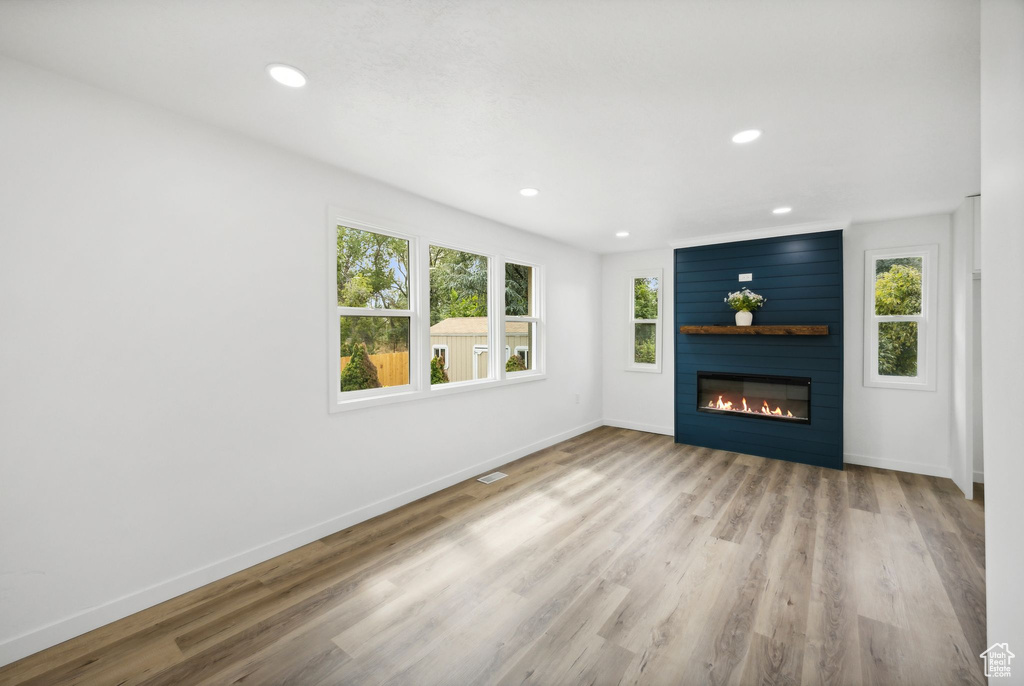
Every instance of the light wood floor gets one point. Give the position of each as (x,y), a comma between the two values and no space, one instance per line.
(617,557)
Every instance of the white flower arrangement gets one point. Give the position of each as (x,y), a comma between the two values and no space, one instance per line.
(745,300)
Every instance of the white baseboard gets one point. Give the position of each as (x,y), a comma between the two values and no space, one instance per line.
(82,622)
(979,477)
(637,426)
(899,465)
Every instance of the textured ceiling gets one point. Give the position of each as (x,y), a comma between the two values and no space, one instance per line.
(620,111)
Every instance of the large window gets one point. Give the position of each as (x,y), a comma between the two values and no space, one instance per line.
(644,348)
(522,318)
(410,318)
(374,310)
(900,306)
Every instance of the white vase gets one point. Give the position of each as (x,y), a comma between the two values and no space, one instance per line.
(744,318)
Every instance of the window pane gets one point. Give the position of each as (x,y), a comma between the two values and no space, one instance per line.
(519,344)
(373,270)
(518,290)
(645,298)
(897,349)
(898,285)
(645,343)
(374,352)
(458,314)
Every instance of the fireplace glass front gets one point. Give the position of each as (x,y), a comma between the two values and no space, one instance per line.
(779,398)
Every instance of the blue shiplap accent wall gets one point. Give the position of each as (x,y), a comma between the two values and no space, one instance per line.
(802,278)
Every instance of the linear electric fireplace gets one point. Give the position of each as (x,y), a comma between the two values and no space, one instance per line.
(775,398)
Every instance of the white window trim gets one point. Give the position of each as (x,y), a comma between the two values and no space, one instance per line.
(420,350)
(434,347)
(631,364)
(927,340)
(334,329)
(491,320)
(538,330)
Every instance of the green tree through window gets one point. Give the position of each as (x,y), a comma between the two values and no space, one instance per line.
(645,315)
(437,372)
(360,373)
(645,298)
(645,345)
(373,272)
(898,288)
(458,284)
(517,289)
(898,292)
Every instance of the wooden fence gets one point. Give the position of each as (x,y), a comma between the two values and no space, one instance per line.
(392,368)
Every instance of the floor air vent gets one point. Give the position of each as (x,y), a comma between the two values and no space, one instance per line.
(491,478)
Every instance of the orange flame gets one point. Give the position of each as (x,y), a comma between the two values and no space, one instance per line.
(723,404)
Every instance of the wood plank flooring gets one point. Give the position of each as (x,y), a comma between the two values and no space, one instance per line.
(616,557)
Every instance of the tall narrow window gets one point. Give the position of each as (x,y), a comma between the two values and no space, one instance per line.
(522,318)
(645,321)
(900,304)
(458,315)
(375,311)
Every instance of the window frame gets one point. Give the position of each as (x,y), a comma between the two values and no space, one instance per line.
(339,311)
(491,273)
(420,349)
(537,331)
(631,364)
(927,320)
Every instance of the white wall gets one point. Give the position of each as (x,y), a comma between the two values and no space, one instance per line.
(1002,255)
(979,406)
(636,400)
(887,427)
(961,425)
(163,393)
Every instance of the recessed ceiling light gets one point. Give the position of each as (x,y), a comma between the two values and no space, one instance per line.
(287,76)
(746,136)
(621,234)
(529,192)
(782,210)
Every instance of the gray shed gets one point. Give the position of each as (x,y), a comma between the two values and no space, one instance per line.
(462,343)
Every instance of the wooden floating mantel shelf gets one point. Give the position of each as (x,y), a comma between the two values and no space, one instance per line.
(777,330)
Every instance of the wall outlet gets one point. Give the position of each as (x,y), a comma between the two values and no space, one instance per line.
(746,277)
(577,398)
